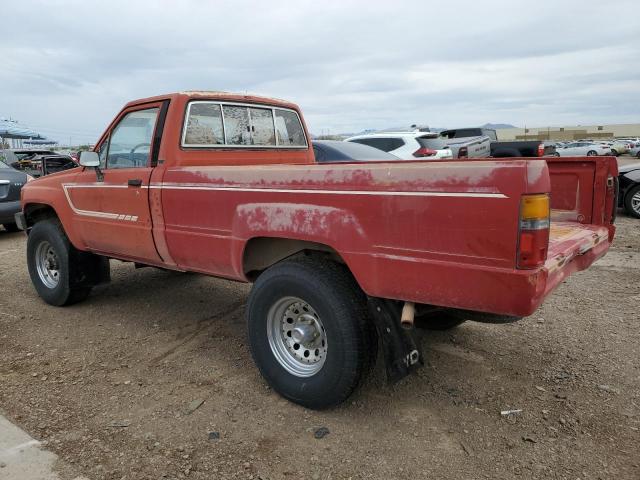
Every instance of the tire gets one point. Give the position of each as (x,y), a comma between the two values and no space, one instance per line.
(438,321)
(614,152)
(592,153)
(638,155)
(632,202)
(11,227)
(555,154)
(57,269)
(340,341)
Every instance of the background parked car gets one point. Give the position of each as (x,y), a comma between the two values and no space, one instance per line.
(619,147)
(407,145)
(635,151)
(11,182)
(629,182)
(337,151)
(577,149)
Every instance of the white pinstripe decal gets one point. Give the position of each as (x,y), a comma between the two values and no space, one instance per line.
(92,213)
(204,186)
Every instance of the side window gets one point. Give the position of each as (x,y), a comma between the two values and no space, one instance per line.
(204,125)
(130,140)
(384,144)
(289,129)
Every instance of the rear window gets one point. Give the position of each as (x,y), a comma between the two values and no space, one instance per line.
(462,133)
(216,124)
(386,144)
(432,143)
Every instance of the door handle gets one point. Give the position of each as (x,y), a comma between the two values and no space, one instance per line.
(134,182)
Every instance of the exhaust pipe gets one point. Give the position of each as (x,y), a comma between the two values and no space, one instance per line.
(408,314)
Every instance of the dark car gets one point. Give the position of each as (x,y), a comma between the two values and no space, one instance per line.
(11,182)
(629,197)
(337,151)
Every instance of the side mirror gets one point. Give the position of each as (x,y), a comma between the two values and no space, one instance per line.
(89,159)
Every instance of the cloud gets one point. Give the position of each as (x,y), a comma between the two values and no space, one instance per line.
(68,67)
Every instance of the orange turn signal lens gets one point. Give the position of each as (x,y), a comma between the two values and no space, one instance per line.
(534,207)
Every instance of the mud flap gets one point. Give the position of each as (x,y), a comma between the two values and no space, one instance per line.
(401,347)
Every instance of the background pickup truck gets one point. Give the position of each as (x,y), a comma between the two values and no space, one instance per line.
(341,254)
(499,149)
(467,142)
(522,148)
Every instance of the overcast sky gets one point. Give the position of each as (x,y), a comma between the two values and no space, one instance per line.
(67,67)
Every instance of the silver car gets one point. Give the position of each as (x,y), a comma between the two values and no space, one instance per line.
(580,149)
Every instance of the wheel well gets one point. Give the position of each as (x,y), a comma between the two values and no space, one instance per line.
(35,212)
(262,252)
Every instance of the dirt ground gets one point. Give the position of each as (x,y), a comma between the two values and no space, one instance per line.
(111,386)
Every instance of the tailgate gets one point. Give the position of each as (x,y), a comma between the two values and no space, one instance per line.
(568,240)
(583,205)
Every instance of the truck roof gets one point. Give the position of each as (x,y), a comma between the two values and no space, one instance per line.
(216,95)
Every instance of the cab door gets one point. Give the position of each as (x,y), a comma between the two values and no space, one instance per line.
(112,210)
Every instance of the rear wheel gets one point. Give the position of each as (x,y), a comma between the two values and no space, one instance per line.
(614,152)
(58,271)
(592,153)
(10,227)
(556,154)
(308,331)
(632,202)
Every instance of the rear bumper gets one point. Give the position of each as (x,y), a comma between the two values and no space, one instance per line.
(8,210)
(498,291)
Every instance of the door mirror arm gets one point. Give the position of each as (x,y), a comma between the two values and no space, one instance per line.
(92,160)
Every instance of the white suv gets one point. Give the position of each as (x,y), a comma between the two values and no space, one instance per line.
(406,145)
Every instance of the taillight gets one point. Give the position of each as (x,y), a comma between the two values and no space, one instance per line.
(424,152)
(541,149)
(533,239)
(463,152)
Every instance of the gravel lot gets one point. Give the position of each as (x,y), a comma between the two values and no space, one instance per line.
(114,386)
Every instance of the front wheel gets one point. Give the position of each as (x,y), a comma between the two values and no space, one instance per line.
(55,266)
(308,331)
(592,153)
(632,202)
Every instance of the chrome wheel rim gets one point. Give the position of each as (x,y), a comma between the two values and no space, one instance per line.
(47,265)
(635,202)
(296,337)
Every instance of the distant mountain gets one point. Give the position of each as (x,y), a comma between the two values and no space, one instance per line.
(497,126)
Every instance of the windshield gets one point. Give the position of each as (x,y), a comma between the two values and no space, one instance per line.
(3,165)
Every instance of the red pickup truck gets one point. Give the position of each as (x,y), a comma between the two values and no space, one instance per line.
(227,185)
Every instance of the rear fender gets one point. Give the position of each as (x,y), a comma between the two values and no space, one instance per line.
(319,224)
